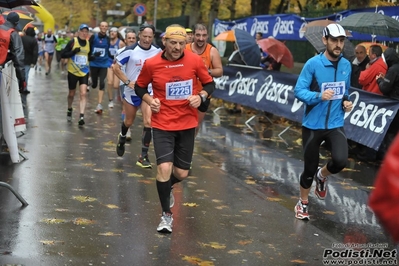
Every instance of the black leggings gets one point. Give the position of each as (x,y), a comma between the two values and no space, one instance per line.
(311,140)
(95,74)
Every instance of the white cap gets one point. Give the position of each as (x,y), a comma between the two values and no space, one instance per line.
(334,30)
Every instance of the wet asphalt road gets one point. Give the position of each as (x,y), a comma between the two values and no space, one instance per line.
(87,206)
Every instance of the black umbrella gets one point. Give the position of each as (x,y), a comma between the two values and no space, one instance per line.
(372,23)
(15,3)
(314,36)
(248,48)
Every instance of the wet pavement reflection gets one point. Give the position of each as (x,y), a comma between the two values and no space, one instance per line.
(87,206)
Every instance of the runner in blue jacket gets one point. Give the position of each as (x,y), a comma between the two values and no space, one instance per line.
(323,87)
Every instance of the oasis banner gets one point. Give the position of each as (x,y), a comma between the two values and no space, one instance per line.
(289,26)
(273,92)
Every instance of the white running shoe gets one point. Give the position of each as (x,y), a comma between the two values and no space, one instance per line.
(111,104)
(128,135)
(99,109)
(165,226)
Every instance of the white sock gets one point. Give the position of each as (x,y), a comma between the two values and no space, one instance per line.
(320,176)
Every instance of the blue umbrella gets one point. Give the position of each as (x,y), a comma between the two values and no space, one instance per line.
(248,48)
(15,3)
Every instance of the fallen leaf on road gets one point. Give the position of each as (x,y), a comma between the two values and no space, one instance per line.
(244,242)
(84,198)
(108,234)
(134,175)
(54,221)
(112,206)
(83,221)
(214,245)
(329,212)
(273,199)
(235,251)
(298,261)
(190,204)
(197,261)
(222,207)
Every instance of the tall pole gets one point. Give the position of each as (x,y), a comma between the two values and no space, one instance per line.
(155,13)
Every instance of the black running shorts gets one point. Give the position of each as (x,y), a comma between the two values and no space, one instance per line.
(174,146)
(73,80)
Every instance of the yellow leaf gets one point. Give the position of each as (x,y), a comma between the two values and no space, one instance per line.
(214,245)
(98,170)
(108,234)
(250,182)
(197,261)
(109,143)
(370,187)
(117,170)
(329,212)
(298,141)
(247,211)
(216,200)
(83,221)
(54,221)
(235,251)
(190,204)
(273,199)
(112,206)
(222,207)
(84,198)
(205,167)
(200,190)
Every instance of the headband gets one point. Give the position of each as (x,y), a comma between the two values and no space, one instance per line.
(175,33)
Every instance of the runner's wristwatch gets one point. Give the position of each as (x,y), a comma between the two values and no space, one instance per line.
(127,82)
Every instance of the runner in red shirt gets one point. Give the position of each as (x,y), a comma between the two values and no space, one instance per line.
(173,75)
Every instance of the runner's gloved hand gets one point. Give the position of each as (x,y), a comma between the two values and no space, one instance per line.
(76,50)
(97,54)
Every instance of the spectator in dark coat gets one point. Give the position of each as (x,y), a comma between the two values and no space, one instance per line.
(359,64)
(31,52)
(389,84)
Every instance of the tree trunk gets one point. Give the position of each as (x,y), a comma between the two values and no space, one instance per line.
(195,13)
(213,13)
(260,7)
(183,7)
(232,8)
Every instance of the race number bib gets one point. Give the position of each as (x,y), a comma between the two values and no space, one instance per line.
(179,90)
(101,50)
(112,51)
(80,60)
(338,87)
